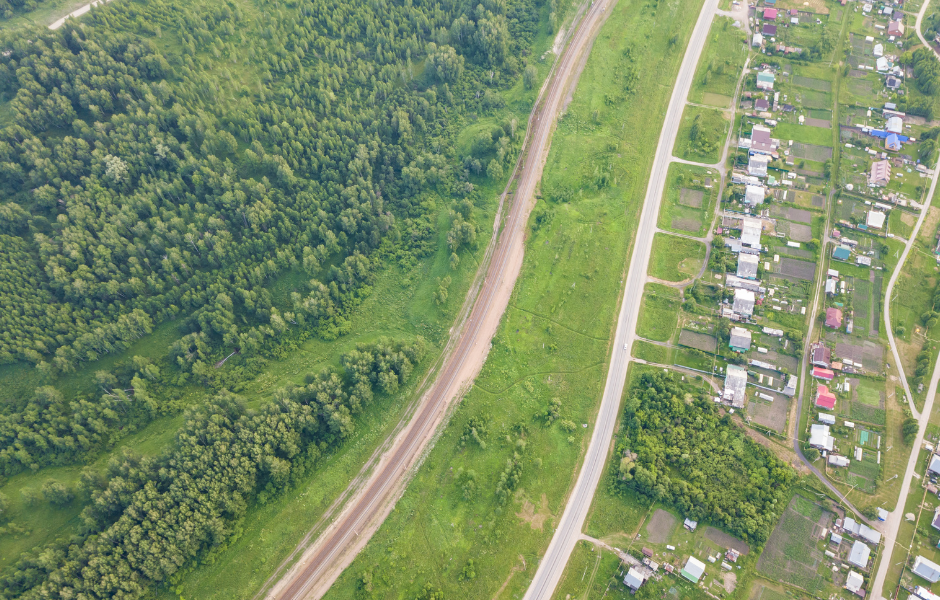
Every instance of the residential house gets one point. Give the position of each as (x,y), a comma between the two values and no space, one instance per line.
(838,461)
(859,555)
(895,124)
(927,569)
(760,104)
(769,29)
(735,390)
(841,253)
(934,465)
(747,265)
(878,50)
(833,318)
(935,523)
(923,593)
(820,355)
(694,569)
(761,142)
(757,165)
(733,281)
(757,40)
(740,339)
(896,28)
(824,374)
(862,261)
(892,143)
(754,195)
(880,174)
(831,287)
(634,579)
(861,530)
(765,80)
(790,388)
(770,14)
(819,437)
(854,582)
(892,83)
(875,219)
(882,65)
(750,232)
(826,419)
(825,398)
(743,302)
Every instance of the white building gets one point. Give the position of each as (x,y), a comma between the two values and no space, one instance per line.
(754,195)
(875,219)
(757,165)
(743,302)
(895,125)
(859,555)
(747,265)
(735,386)
(927,569)
(819,437)
(854,581)
(750,232)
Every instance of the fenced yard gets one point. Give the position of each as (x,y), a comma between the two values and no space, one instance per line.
(791,554)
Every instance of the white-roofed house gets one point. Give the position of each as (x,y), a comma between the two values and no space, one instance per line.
(743,302)
(735,389)
(859,555)
(927,569)
(750,232)
(854,582)
(819,437)
(754,195)
(757,165)
(876,219)
(740,339)
(895,124)
(634,579)
(934,465)
(747,265)
(694,569)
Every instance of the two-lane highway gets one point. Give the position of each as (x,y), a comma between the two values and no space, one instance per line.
(569,528)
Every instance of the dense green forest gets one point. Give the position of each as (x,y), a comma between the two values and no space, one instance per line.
(678,448)
(148,518)
(170,161)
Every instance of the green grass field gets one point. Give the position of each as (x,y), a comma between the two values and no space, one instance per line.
(688,206)
(806,134)
(659,313)
(571,276)
(702,133)
(674,258)
(720,65)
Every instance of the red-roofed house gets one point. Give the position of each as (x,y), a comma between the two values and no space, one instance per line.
(770,14)
(833,318)
(825,398)
(820,373)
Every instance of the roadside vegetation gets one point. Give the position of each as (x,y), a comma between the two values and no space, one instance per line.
(702,134)
(494,502)
(675,258)
(719,68)
(244,219)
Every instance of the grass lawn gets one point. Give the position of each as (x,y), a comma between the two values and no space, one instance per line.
(592,572)
(653,353)
(553,341)
(688,206)
(819,136)
(674,258)
(702,134)
(720,65)
(659,313)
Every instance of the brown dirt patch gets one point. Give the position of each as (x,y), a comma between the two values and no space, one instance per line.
(535,519)
(660,526)
(692,225)
(691,198)
(729,581)
(726,540)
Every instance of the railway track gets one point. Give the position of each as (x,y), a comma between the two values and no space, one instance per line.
(335,549)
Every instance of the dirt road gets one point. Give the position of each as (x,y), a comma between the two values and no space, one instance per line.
(339,544)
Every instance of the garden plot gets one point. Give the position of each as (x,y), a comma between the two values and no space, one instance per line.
(810,151)
(726,540)
(861,46)
(792,214)
(691,198)
(861,304)
(869,354)
(800,269)
(791,554)
(699,341)
(818,201)
(814,99)
(782,361)
(801,233)
(772,415)
(660,527)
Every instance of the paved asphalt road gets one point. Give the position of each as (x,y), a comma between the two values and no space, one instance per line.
(569,528)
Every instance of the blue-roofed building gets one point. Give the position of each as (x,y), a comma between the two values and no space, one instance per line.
(841,253)
(892,142)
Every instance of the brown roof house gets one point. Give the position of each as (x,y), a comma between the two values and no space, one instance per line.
(833,318)
(880,173)
(820,356)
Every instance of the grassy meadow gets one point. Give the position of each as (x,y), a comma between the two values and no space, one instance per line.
(688,206)
(720,65)
(546,369)
(675,258)
(702,134)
